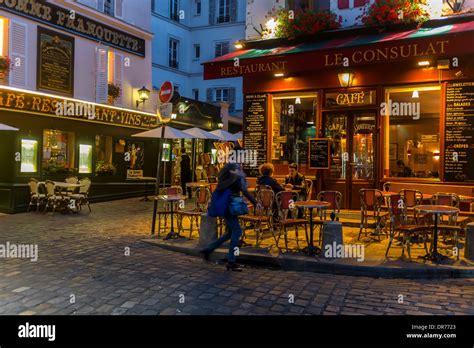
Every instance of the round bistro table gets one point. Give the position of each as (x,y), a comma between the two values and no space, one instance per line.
(310,205)
(436,210)
(171,199)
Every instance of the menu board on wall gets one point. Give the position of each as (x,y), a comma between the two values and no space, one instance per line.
(318,156)
(55,70)
(459,132)
(255,130)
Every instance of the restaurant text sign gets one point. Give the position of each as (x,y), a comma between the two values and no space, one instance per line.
(46,12)
(353,98)
(73,110)
(387,53)
(246,69)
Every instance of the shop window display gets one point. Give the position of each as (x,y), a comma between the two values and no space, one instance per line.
(58,152)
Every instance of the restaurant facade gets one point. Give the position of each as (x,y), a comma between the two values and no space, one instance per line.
(357,108)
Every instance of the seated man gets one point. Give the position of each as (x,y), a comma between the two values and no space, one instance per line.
(295,180)
(404,170)
(266,170)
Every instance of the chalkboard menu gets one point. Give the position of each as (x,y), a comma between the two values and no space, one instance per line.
(318,153)
(255,130)
(55,62)
(459,144)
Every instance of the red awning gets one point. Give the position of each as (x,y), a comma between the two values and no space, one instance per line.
(421,43)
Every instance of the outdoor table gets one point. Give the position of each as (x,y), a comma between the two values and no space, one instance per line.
(171,199)
(310,205)
(64,186)
(435,210)
(146,179)
(388,194)
(198,184)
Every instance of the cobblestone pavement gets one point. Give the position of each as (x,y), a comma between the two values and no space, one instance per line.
(83,269)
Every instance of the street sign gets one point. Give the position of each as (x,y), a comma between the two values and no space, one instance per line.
(166,92)
(165,110)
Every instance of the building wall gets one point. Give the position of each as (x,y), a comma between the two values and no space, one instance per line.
(193,30)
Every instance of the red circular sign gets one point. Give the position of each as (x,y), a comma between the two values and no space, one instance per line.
(166,92)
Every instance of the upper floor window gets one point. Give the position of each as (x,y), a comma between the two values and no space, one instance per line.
(221,94)
(174,10)
(222,48)
(13,49)
(197,7)
(224,11)
(197,51)
(113,8)
(196,94)
(173,53)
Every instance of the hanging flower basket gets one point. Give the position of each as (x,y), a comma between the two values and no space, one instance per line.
(114,91)
(389,12)
(4,67)
(291,24)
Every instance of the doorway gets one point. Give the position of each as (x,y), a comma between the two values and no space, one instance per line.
(353,139)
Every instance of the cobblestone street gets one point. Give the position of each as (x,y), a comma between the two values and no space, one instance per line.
(83,269)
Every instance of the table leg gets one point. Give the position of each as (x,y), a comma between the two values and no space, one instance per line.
(172,233)
(434,255)
(311,248)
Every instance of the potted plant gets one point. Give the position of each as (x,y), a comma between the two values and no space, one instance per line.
(383,13)
(291,24)
(114,92)
(105,169)
(4,66)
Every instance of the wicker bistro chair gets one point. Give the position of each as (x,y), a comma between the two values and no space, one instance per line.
(333,197)
(452,200)
(36,198)
(286,209)
(386,186)
(371,201)
(412,198)
(54,198)
(399,225)
(82,197)
(164,211)
(71,180)
(203,196)
(261,218)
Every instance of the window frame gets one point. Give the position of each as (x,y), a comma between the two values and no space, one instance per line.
(197,5)
(221,90)
(194,91)
(222,43)
(196,49)
(173,52)
(223,12)
(174,10)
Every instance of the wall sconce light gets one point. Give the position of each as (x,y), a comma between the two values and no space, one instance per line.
(174,116)
(238,45)
(143,95)
(424,63)
(220,125)
(279,74)
(436,155)
(346,79)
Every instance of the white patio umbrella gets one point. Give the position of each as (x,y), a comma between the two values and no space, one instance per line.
(239,135)
(224,135)
(199,133)
(4,127)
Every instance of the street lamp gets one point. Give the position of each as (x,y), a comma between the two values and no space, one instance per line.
(143,95)
(346,79)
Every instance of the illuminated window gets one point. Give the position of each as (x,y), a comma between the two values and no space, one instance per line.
(166,153)
(103,149)
(58,152)
(3,36)
(29,156)
(412,136)
(85,159)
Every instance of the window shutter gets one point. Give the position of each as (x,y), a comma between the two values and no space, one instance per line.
(212,11)
(226,48)
(209,95)
(18,54)
(100,5)
(360,3)
(231,99)
(233,10)
(118,76)
(101,86)
(342,4)
(119,9)
(91,3)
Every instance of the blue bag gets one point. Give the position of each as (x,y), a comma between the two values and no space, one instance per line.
(238,206)
(220,202)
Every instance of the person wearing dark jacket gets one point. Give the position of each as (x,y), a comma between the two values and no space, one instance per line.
(185,171)
(231,177)
(266,171)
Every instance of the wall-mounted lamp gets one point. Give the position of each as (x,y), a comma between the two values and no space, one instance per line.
(143,95)
(436,155)
(279,74)
(238,45)
(346,79)
(220,125)
(174,116)
(415,95)
(424,63)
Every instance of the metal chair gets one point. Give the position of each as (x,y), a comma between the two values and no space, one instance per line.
(71,180)
(386,186)
(333,197)
(399,225)
(54,198)
(308,188)
(286,209)
(164,211)
(412,198)
(82,197)
(203,196)
(371,201)
(260,218)
(36,198)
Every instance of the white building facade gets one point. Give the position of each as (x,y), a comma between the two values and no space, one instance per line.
(190,32)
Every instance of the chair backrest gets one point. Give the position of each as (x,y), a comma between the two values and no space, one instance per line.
(371,199)
(266,197)
(203,195)
(50,187)
(449,199)
(412,197)
(284,201)
(33,184)
(174,190)
(212,186)
(72,180)
(308,188)
(86,186)
(261,187)
(397,209)
(333,197)
(386,186)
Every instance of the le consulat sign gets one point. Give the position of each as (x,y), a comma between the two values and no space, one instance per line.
(46,12)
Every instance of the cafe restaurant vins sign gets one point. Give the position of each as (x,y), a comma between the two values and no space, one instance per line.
(71,109)
(46,12)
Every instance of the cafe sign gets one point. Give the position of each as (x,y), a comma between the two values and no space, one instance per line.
(72,109)
(46,12)
(352,98)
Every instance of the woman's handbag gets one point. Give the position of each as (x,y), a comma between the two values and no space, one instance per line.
(238,206)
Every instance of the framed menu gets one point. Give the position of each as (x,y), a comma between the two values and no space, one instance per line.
(318,153)
(55,70)
(255,130)
(459,132)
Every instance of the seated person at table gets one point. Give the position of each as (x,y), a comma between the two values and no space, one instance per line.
(266,170)
(404,171)
(295,180)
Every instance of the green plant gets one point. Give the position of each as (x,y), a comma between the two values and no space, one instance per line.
(4,63)
(102,168)
(385,12)
(53,167)
(114,91)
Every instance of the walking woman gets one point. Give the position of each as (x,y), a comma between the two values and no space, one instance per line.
(233,178)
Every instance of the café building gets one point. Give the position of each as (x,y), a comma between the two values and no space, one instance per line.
(359,107)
